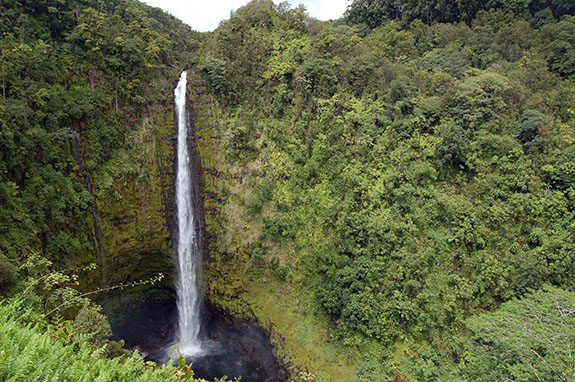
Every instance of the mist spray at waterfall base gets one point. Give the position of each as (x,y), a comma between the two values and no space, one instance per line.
(232,347)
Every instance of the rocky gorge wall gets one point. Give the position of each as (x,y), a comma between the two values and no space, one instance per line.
(228,237)
(137,218)
(238,279)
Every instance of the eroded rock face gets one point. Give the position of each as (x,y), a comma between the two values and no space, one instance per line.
(146,317)
(136,216)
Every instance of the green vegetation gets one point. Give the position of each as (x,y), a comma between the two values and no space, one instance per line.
(403,177)
(86,85)
(375,13)
(37,337)
(32,354)
(85,107)
(527,339)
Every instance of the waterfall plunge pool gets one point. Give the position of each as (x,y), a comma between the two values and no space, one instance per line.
(233,347)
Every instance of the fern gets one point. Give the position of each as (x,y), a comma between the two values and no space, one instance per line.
(27,353)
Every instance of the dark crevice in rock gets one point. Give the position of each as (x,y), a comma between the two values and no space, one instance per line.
(75,149)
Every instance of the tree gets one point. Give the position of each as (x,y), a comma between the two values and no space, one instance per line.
(530,131)
(561,55)
(373,13)
(93,324)
(562,173)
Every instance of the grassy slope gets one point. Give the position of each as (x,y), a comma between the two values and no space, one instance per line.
(302,336)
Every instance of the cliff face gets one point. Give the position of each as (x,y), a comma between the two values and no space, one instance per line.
(87,125)
(228,233)
(87,150)
(138,214)
(222,273)
(138,223)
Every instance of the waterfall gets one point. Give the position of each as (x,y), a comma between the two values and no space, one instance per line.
(189,255)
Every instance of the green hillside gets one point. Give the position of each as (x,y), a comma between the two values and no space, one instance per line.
(385,185)
(390,194)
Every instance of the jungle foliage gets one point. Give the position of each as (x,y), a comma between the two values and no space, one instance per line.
(411,165)
(32,351)
(411,175)
(374,13)
(525,339)
(33,354)
(75,79)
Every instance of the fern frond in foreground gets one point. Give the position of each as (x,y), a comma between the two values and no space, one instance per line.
(27,353)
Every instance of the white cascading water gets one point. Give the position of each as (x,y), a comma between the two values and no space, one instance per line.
(189,256)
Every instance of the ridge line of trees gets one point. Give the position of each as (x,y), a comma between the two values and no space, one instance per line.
(374,13)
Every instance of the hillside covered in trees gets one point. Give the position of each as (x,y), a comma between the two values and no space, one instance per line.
(85,106)
(408,175)
(393,191)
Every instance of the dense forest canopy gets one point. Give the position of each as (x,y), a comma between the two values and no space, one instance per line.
(374,13)
(73,74)
(412,174)
(410,168)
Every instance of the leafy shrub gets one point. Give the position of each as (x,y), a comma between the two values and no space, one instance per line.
(524,339)
(561,55)
(93,324)
(529,133)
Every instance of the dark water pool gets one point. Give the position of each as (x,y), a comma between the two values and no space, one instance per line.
(235,347)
